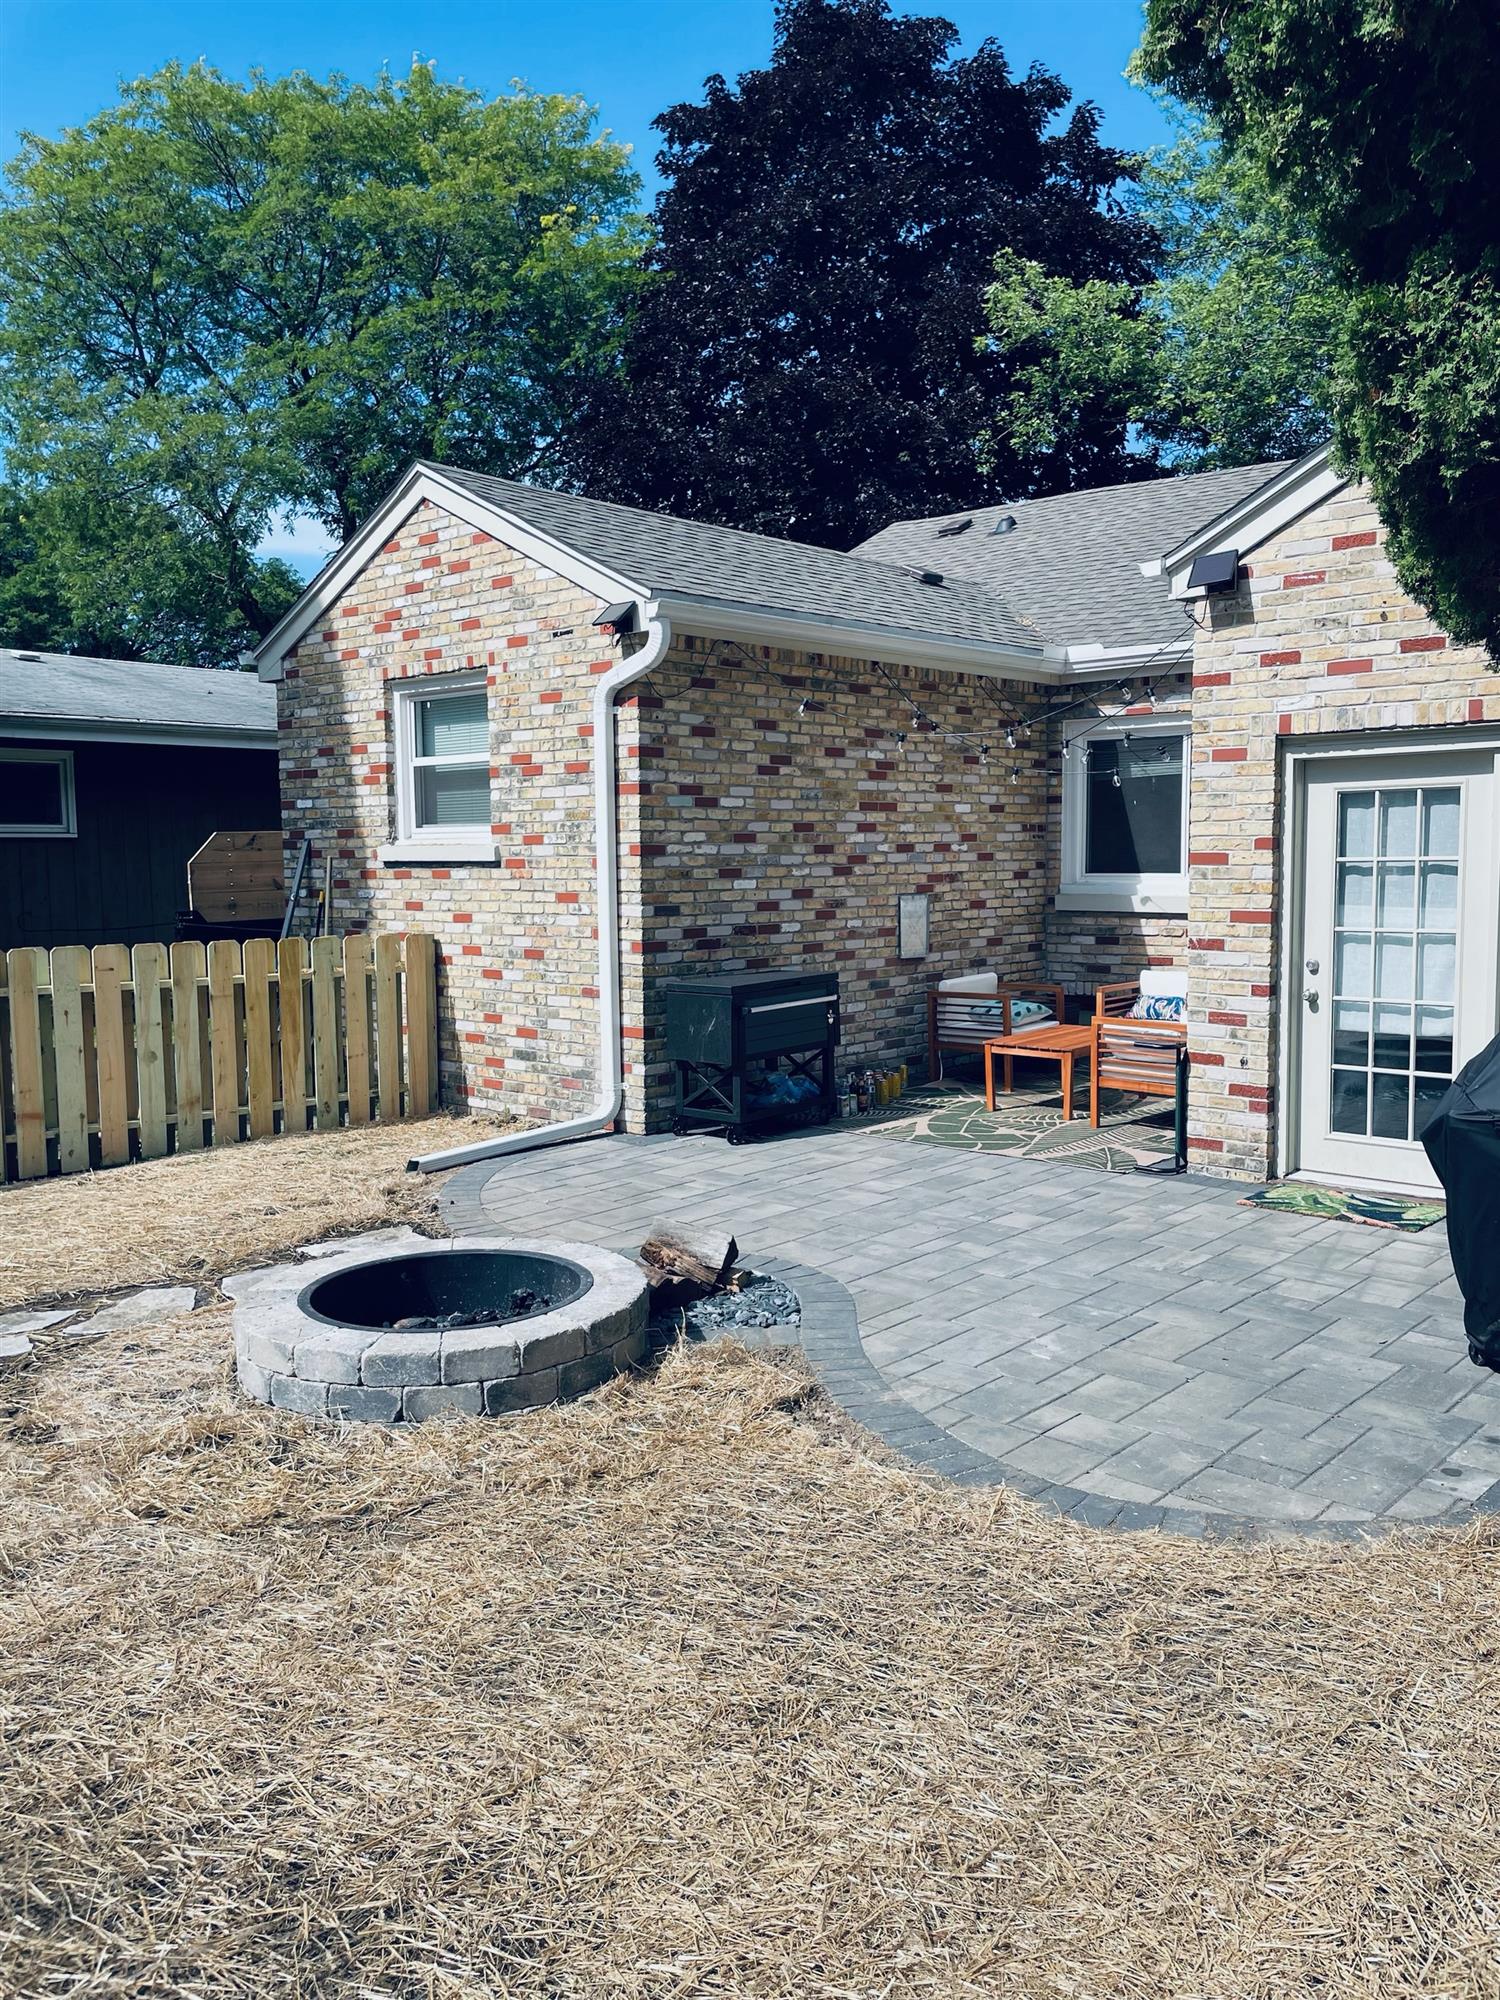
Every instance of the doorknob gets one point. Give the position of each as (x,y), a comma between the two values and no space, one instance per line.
(1310,995)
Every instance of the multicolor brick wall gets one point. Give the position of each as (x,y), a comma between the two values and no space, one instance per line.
(516,938)
(1320,641)
(772,836)
(750,833)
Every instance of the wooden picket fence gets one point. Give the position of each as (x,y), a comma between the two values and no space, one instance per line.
(124,1053)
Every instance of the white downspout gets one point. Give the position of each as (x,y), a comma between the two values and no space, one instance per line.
(607,895)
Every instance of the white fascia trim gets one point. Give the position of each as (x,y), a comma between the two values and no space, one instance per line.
(427,482)
(52,728)
(1254,520)
(1088,662)
(710,618)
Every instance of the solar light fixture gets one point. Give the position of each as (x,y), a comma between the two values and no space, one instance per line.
(1215,574)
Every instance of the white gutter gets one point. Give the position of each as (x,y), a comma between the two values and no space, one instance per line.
(606,877)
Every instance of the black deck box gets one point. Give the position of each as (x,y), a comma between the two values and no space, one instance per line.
(751,1049)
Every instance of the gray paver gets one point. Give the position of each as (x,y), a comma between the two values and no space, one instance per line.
(1149,1346)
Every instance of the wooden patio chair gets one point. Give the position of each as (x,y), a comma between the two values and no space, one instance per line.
(1131,1054)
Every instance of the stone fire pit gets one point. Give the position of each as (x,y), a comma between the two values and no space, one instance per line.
(479,1328)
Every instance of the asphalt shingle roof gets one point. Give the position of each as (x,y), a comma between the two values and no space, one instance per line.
(662,554)
(1071,567)
(135,695)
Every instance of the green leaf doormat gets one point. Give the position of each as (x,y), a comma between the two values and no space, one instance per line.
(1376,1211)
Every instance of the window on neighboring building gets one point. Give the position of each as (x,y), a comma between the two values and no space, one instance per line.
(1125,791)
(36,795)
(443,768)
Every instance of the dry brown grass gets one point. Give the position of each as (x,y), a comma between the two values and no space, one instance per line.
(678,1692)
(201,1214)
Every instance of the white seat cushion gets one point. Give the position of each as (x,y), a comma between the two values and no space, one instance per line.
(971,982)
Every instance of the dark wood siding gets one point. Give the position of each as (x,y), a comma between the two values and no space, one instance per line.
(142,810)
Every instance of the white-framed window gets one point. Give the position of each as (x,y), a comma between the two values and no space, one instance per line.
(36,795)
(442,756)
(1125,815)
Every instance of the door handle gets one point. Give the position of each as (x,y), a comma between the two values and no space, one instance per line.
(1310,995)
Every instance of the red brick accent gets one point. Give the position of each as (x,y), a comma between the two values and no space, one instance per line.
(1212,680)
(1283,725)
(1208,860)
(1228,1020)
(1351,666)
(1250,916)
(1366,540)
(1280,659)
(1205,944)
(1434,643)
(1265,843)
(1476,708)
(1205,1145)
(1234,754)
(1304,578)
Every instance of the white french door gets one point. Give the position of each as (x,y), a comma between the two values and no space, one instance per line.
(1395,985)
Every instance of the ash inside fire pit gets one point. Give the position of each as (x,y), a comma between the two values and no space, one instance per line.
(445,1289)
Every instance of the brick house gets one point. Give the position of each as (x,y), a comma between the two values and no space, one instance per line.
(1040,718)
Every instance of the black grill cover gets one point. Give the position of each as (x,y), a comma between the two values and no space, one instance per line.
(1462,1140)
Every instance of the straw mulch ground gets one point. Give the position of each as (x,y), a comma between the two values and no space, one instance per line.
(200,1214)
(678,1691)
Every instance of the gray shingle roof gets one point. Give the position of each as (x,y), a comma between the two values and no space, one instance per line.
(1071,566)
(661,554)
(135,696)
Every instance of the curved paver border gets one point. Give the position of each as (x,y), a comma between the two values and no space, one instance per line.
(829,1337)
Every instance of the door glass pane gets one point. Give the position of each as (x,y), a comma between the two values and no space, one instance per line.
(1393,968)
(453,795)
(452,725)
(1392,1048)
(1439,895)
(1398,895)
(1388,1105)
(1351,1033)
(1437,962)
(1357,824)
(1354,965)
(1356,895)
(1396,900)
(1398,823)
(1440,821)
(1350,1106)
(1435,1040)
(1134,806)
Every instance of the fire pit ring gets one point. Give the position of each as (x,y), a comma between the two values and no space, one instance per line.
(482,1329)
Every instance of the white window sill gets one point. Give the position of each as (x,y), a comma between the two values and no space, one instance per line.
(439,853)
(1164,902)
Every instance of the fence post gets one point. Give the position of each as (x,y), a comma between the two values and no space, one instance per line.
(325,1008)
(388,1025)
(357,1026)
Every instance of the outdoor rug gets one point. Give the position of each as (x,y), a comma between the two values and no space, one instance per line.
(1341,1205)
(1134,1132)
(1376,1211)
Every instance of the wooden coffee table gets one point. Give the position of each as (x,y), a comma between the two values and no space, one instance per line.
(1062,1044)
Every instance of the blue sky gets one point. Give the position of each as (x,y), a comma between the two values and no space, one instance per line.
(62,60)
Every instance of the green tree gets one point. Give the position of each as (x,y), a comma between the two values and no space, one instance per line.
(1375,120)
(223,300)
(806,362)
(1223,359)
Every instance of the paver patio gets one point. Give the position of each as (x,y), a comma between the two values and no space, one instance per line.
(1136,1350)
